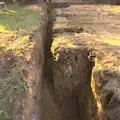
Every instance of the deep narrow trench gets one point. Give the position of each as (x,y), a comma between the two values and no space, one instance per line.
(48,55)
(66,97)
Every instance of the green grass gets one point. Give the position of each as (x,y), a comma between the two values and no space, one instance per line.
(23,18)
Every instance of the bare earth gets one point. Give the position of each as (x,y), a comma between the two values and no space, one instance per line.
(97,28)
(93,30)
(21,47)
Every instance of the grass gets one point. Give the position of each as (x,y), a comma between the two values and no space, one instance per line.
(23,18)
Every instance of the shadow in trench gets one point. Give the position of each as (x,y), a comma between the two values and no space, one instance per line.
(48,55)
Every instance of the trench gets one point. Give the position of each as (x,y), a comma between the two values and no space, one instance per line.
(66,96)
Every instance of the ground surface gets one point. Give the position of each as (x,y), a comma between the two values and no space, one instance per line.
(92,27)
(95,27)
(17,25)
